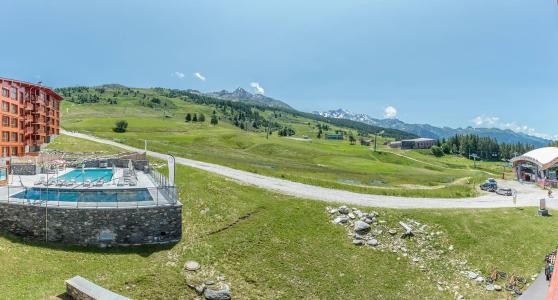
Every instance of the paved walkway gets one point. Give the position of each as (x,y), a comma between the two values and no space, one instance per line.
(537,290)
(528,195)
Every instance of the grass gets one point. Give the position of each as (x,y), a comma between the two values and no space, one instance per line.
(334,164)
(286,249)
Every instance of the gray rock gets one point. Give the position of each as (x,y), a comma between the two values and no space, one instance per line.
(358,242)
(343,210)
(497,287)
(392,231)
(341,220)
(361,227)
(472,275)
(333,211)
(224,294)
(367,220)
(192,265)
(490,287)
(373,242)
(479,279)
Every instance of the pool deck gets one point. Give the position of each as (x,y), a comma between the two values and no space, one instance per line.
(18,183)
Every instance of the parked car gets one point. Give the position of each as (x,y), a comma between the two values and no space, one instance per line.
(504,192)
(489,185)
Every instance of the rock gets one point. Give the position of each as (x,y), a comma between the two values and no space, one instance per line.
(200,289)
(209,282)
(369,220)
(358,242)
(333,211)
(472,275)
(361,227)
(352,216)
(223,294)
(382,221)
(221,278)
(392,231)
(343,210)
(192,265)
(340,220)
(415,260)
(490,287)
(358,213)
(450,248)
(423,268)
(479,279)
(497,287)
(373,243)
(459,297)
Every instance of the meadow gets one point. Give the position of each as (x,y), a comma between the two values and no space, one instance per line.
(286,249)
(335,164)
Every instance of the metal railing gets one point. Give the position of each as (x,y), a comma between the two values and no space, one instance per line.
(80,197)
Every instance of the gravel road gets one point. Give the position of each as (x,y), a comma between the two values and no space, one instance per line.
(528,195)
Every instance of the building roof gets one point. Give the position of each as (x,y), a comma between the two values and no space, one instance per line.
(543,157)
(419,140)
(37,85)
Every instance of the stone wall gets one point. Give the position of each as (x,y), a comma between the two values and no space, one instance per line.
(91,226)
(119,163)
(23,169)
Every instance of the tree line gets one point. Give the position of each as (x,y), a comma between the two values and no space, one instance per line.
(485,148)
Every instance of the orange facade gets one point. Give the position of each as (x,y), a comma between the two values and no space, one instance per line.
(30,117)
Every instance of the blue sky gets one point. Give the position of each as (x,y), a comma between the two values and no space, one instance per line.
(443,62)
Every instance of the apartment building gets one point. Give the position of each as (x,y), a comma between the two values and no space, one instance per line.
(30,117)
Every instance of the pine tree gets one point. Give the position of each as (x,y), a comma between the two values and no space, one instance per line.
(195,118)
(188,117)
(201,118)
(214,120)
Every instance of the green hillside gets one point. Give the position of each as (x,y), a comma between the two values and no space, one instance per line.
(286,249)
(240,140)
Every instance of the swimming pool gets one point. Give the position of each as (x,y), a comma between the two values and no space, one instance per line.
(92,174)
(135,195)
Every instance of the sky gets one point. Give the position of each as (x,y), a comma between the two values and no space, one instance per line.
(443,62)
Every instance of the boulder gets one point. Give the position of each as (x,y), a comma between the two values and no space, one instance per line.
(343,210)
(358,242)
(361,227)
(192,265)
(341,220)
(223,294)
(373,242)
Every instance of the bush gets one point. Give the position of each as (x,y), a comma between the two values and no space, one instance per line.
(121,126)
(437,151)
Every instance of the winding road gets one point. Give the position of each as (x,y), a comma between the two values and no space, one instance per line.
(528,195)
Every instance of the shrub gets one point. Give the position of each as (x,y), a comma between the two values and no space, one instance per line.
(121,126)
(437,151)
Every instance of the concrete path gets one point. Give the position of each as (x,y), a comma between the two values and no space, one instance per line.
(528,195)
(537,290)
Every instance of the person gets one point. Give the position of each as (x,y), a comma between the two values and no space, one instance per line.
(549,193)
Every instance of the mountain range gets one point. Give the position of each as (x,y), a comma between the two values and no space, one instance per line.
(425,130)
(241,94)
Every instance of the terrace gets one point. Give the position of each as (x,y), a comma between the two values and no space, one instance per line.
(119,200)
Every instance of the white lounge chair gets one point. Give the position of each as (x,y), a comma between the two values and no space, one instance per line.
(61,182)
(132,183)
(88,183)
(100,182)
(41,181)
(120,182)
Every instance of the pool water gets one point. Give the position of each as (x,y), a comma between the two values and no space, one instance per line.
(85,195)
(92,174)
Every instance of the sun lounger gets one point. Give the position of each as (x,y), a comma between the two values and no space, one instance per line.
(132,183)
(88,183)
(50,182)
(41,181)
(100,182)
(120,182)
(61,182)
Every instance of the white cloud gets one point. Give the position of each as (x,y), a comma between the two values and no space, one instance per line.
(390,112)
(199,76)
(178,74)
(486,121)
(258,89)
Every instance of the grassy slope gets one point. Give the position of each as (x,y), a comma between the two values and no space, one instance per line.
(285,250)
(326,163)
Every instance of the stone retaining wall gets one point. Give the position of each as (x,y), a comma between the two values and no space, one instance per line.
(91,226)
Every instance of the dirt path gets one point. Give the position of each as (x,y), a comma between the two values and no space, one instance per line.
(528,195)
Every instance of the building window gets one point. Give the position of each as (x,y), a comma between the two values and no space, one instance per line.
(14,122)
(14,136)
(20,97)
(21,137)
(14,93)
(4,151)
(14,151)
(13,109)
(5,93)
(6,121)
(5,106)
(5,136)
